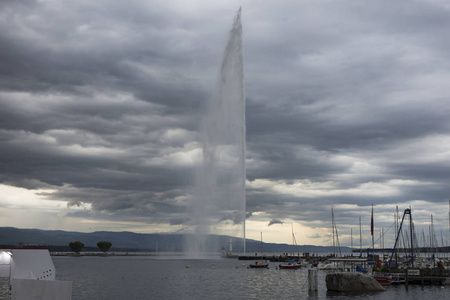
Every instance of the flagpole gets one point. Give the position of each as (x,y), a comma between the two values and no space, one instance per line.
(371,232)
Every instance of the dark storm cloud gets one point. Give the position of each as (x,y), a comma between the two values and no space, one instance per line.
(51,48)
(273,222)
(347,103)
(365,85)
(75,80)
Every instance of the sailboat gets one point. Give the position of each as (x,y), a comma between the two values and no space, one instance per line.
(260,264)
(291,264)
(339,262)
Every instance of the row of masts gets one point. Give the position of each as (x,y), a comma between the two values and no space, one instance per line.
(335,236)
(404,239)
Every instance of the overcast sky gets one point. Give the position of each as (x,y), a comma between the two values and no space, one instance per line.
(347,105)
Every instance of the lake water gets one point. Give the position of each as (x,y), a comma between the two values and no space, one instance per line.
(152,277)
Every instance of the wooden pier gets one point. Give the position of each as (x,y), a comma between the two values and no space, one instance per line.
(426,276)
(283,258)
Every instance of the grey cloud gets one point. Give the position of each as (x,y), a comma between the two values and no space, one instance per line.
(315,236)
(272,222)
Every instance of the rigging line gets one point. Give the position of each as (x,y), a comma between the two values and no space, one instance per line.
(384,233)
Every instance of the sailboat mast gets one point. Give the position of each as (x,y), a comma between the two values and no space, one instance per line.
(293,237)
(433,237)
(397,232)
(332,228)
(294,241)
(261,247)
(380,243)
(351,238)
(360,238)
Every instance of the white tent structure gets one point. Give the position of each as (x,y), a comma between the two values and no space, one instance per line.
(32,275)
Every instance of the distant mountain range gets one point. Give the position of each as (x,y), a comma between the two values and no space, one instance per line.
(129,241)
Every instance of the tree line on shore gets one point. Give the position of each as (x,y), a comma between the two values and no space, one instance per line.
(78,246)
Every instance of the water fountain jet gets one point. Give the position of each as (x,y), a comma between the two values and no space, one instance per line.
(218,204)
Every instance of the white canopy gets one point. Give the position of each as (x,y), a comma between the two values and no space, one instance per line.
(26,264)
(32,275)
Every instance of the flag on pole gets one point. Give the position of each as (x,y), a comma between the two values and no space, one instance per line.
(371,223)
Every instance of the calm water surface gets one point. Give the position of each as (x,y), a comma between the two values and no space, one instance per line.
(148,277)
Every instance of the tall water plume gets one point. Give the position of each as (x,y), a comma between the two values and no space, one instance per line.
(218,205)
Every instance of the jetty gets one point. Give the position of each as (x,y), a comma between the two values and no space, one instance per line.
(284,258)
(426,276)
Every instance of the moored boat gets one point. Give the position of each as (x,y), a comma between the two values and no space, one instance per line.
(259,265)
(383,279)
(291,266)
(389,278)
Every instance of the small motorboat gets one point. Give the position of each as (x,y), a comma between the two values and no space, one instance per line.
(259,265)
(291,265)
